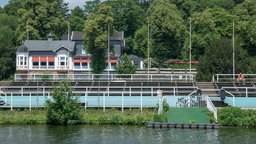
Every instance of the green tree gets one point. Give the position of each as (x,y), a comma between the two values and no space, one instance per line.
(167,31)
(96,37)
(144,4)
(12,7)
(128,17)
(77,19)
(64,108)
(125,66)
(42,17)
(245,26)
(191,6)
(1,10)
(207,27)
(91,6)
(8,26)
(141,42)
(218,60)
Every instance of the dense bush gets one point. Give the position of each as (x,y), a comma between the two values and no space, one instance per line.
(64,108)
(234,116)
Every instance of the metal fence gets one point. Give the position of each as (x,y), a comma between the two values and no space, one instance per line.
(105,77)
(233,77)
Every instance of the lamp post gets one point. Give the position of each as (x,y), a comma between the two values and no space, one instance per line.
(233,50)
(148,47)
(108,51)
(190,46)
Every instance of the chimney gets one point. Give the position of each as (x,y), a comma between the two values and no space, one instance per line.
(50,37)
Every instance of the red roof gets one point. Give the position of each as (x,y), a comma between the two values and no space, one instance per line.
(182,62)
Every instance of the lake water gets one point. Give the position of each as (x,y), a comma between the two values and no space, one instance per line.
(113,134)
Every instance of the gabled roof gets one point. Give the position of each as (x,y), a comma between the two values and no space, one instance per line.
(45,45)
(76,35)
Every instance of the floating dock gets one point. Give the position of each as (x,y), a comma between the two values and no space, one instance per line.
(185,126)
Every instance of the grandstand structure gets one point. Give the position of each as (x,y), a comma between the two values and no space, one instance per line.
(178,85)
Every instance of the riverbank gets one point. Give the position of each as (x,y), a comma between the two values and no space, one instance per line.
(90,116)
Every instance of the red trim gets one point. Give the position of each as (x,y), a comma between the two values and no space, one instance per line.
(181,62)
(50,59)
(84,60)
(113,61)
(35,58)
(43,59)
(76,60)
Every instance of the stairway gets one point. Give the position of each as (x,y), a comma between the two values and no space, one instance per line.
(207,88)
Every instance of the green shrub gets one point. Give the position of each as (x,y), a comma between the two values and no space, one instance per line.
(234,116)
(160,117)
(64,108)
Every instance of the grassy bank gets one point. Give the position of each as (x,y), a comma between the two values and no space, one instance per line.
(90,116)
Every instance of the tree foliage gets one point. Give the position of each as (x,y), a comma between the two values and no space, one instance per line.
(128,16)
(7,46)
(96,37)
(42,18)
(77,19)
(125,66)
(245,26)
(218,59)
(167,30)
(208,27)
(64,108)
(141,42)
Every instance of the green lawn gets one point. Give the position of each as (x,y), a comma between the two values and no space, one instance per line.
(188,115)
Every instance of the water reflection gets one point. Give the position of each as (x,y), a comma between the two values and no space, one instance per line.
(109,134)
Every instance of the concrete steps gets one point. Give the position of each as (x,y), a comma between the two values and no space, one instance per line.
(207,88)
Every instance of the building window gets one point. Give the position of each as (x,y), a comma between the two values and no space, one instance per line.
(21,60)
(112,65)
(84,65)
(62,61)
(51,64)
(43,64)
(83,51)
(35,64)
(25,61)
(77,65)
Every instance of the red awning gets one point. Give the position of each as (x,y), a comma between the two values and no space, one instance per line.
(35,58)
(84,60)
(77,60)
(113,61)
(51,59)
(181,62)
(43,58)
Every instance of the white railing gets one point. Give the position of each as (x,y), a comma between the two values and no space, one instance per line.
(107,77)
(241,91)
(211,108)
(167,71)
(100,99)
(128,90)
(233,103)
(232,77)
